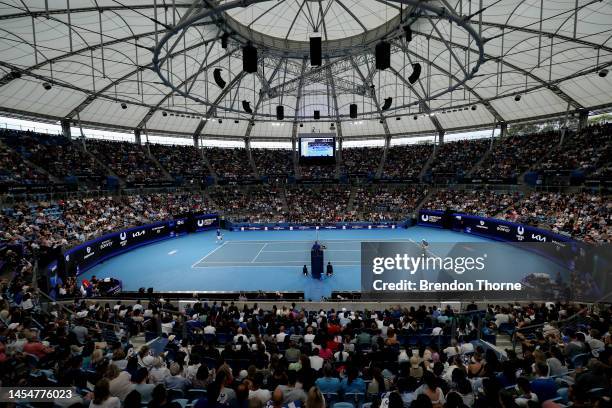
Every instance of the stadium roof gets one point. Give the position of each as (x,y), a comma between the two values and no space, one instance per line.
(476,57)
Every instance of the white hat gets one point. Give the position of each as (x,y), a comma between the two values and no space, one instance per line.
(148,361)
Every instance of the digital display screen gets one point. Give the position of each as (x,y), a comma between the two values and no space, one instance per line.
(317,147)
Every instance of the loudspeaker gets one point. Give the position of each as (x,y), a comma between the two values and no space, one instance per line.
(387,104)
(408,32)
(218,80)
(249,59)
(246,105)
(416,73)
(353,110)
(315,51)
(317,115)
(280,112)
(383,55)
(224,38)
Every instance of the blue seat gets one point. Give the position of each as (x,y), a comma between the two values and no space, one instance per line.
(343,405)
(196,393)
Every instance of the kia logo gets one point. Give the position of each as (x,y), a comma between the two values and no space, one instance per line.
(123,236)
(425,217)
(520,230)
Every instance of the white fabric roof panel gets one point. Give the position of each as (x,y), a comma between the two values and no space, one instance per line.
(24,95)
(106,111)
(103,48)
(542,102)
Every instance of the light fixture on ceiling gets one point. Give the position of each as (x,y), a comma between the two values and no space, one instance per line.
(415,117)
(473,107)
(603,73)
(123,105)
(164,113)
(220,120)
(46,85)
(517,97)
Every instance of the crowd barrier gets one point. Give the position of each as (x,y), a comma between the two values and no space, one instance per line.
(79,259)
(238,226)
(491,228)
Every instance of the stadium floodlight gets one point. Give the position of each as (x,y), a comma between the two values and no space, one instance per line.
(246,105)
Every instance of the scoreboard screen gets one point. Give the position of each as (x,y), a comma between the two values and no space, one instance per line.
(317,147)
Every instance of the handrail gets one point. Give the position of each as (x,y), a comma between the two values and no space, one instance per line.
(71,312)
(560,324)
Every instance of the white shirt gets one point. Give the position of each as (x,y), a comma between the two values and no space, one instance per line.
(209,329)
(309,337)
(316,362)
(262,395)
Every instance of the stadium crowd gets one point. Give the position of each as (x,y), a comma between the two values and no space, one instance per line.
(479,202)
(361,161)
(14,171)
(64,223)
(456,159)
(514,155)
(585,151)
(229,164)
(319,204)
(182,162)
(582,215)
(273,163)
(127,160)
(250,204)
(383,203)
(222,355)
(406,162)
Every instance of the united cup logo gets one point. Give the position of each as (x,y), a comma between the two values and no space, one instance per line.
(481,222)
(520,230)
(123,236)
(88,250)
(67,257)
(425,217)
(200,223)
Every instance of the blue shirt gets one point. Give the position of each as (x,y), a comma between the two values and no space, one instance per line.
(544,388)
(358,385)
(328,384)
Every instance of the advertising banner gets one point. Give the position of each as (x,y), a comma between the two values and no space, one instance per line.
(80,258)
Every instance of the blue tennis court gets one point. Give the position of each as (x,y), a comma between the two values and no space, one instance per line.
(265,260)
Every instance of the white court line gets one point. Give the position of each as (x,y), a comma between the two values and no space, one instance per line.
(327,250)
(262,248)
(209,254)
(265,266)
(267,262)
(174,251)
(322,240)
